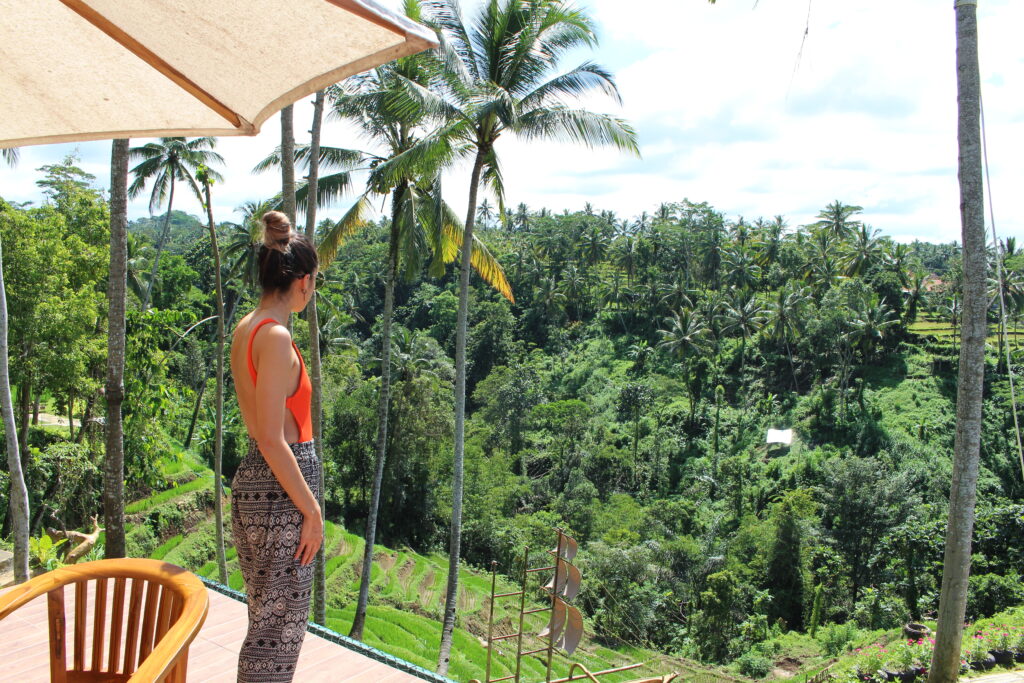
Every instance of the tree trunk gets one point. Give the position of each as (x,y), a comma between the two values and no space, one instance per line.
(195,413)
(316,378)
(86,417)
(957,560)
(288,161)
(218,443)
(24,403)
(113,462)
(461,333)
(19,492)
(71,415)
(383,400)
(229,319)
(164,234)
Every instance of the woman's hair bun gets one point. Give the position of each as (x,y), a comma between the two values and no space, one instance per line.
(276,230)
(285,255)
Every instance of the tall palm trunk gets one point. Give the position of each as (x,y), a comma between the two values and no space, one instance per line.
(461,333)
(288,161)
(24,407)
(316,379)
(195,413)
(384,399)
(19,492)
(228,320)
(218,444)
(71,415)
(957,560)
(113,463)
(164,234)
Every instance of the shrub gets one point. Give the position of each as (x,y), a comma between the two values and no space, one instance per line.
(168,520)
(140,541)
(201,548)
(877,610)
(836,638)
(754,664)
(991,593)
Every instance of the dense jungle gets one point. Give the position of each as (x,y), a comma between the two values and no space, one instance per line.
(620,389)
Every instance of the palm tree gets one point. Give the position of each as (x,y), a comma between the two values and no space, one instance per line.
(139,253)
(836,219)
(785,316)
(10,155)
(896,258)
(421,222)
(203,176)
(870,326)
(822,267)
(863,251)
(595,246)
(312,316)
(741,271)
(915,297)
(967,447)
(164,163)
(573,287)
(485,212)
(243,245)
(19,491)
(744,315)
(497,79)
(625,255)
(522,218)
(771,242)
(683,338)
(639,352)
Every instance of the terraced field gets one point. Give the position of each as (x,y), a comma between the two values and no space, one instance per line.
(406,596)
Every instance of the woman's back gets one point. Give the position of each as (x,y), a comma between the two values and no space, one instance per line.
(247,339)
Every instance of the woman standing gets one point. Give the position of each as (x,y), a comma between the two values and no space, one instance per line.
(275,518)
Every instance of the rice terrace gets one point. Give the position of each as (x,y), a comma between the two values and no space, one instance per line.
(538,341)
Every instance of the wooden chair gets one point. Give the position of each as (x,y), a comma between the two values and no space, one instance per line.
(141,629)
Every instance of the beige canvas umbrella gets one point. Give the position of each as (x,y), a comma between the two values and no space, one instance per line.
(99,69)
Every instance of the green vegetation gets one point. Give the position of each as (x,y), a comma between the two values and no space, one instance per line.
(624,396)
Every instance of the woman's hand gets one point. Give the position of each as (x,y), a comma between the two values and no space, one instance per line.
(311,537)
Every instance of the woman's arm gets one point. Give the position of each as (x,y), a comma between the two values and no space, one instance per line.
(274,377)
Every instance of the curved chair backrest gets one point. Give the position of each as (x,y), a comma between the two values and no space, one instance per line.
(145,614)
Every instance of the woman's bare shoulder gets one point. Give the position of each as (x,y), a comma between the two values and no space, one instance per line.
(274,337)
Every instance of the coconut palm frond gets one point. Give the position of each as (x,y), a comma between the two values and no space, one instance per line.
(580,126)
(10,155)
(573,84)
(330,189)
(481,259)
(355,219)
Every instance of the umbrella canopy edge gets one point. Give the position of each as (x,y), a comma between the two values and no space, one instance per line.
(224,118)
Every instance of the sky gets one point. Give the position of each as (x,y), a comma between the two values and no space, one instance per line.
(773,108)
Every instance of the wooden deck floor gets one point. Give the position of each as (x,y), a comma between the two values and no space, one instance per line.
(213,656)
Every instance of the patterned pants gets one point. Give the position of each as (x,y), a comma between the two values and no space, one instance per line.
(266,526)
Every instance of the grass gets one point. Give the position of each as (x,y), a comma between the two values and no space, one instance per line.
(166,547)
(403,599)
(169,494)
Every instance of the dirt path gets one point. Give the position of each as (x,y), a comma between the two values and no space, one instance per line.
(48,419)
(1004,677)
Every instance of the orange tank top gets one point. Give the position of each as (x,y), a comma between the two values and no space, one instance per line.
(298,403)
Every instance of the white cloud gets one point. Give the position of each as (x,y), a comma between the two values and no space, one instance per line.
(727,113)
